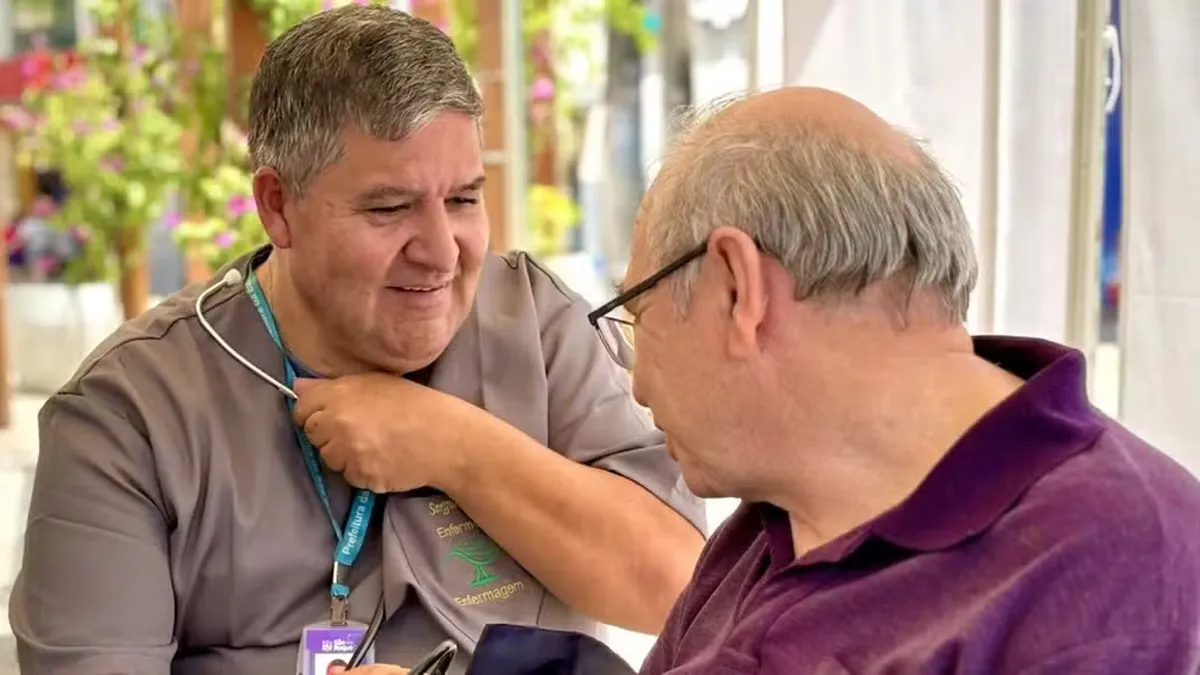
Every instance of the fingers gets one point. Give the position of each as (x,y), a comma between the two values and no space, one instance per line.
(319,428)
(337,460)
(310,395)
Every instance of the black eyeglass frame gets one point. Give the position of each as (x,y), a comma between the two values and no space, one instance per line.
(638,289)
(644,286)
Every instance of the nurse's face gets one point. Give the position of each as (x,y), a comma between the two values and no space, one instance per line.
(388,243)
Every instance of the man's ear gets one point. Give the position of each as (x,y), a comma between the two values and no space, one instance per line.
(271,198)
(741,279)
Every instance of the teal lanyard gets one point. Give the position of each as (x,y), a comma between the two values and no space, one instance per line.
(350,538)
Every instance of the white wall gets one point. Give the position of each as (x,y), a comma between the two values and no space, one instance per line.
(920,64)
(1160,295)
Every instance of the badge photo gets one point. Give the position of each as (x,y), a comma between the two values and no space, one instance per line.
(326,649)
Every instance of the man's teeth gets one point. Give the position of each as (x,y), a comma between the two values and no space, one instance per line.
(420,289)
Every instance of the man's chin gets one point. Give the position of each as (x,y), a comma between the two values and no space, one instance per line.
(701,488)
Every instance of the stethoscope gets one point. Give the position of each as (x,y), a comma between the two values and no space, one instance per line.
(438,660)
(232,278)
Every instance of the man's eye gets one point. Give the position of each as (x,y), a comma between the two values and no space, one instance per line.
(388,210)
(463,201)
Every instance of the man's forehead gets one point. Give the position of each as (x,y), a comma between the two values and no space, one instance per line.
(387,190)
(638,249)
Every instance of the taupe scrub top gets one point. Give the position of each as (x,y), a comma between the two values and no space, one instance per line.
(174,528)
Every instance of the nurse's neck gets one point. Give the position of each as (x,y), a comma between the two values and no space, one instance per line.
(300,328)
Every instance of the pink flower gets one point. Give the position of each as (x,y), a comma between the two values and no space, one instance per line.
(18,118)
(42,207)
(113,164)
(80,127)
(30,67)
(140,55)
(225,239)
(542,89)
(79,234)
(68,79)
(326,5)
(240,205)
(171,220)
(45,264)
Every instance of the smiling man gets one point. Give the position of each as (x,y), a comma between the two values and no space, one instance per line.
(461,450)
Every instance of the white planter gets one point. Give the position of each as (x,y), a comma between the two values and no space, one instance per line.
(52,327)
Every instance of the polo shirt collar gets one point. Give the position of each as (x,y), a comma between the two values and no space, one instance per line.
(1045,422)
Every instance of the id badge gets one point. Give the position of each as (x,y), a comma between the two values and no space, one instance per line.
(326,649)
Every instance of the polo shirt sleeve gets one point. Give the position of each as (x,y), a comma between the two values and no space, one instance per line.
(1121,655)
(593,418)
(94,594)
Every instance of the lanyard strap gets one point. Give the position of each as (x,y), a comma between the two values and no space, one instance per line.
(350,538)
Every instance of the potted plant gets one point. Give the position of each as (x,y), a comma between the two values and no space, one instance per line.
(59,304)
(100,120)
(218,221)
(221,222)
(561,49)
(103,120)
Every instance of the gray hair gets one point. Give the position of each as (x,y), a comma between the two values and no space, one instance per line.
(378,68)
(837,216)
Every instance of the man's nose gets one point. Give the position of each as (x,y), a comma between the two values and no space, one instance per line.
(434,245)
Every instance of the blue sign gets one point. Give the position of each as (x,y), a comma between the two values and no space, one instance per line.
(1110,271)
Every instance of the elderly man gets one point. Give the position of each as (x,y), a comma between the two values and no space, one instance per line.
(189,517)
(915,501)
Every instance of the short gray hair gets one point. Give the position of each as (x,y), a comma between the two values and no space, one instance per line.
(378,68)
(839,217)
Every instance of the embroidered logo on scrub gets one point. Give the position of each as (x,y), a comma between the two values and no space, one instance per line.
(478,552)
(470,547)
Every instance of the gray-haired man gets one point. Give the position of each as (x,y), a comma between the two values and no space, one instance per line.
(915,501)
(181,524)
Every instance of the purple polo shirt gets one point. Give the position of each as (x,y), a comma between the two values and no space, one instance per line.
(1049,539)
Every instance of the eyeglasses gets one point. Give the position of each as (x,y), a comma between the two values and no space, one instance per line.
(616,333)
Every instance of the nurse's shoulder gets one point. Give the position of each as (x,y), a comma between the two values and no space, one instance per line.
(97,588)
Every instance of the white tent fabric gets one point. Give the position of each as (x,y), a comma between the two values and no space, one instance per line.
(920,64)
(1160,294)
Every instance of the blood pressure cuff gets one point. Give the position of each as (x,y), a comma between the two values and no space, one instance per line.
(505,649)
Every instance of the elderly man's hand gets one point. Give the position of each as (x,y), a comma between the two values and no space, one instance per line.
(387,434)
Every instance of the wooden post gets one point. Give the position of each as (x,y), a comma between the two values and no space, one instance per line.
(133,283)
(196,18)
(491,77)
(543,118)
(5,391)
(247,43)
(435,12)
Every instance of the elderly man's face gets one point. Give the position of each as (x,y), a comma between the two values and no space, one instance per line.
(388,243)
(676,374)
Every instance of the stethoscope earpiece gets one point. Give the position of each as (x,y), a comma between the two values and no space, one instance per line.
(233,277)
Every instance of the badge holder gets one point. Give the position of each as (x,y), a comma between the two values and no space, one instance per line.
(326,648)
